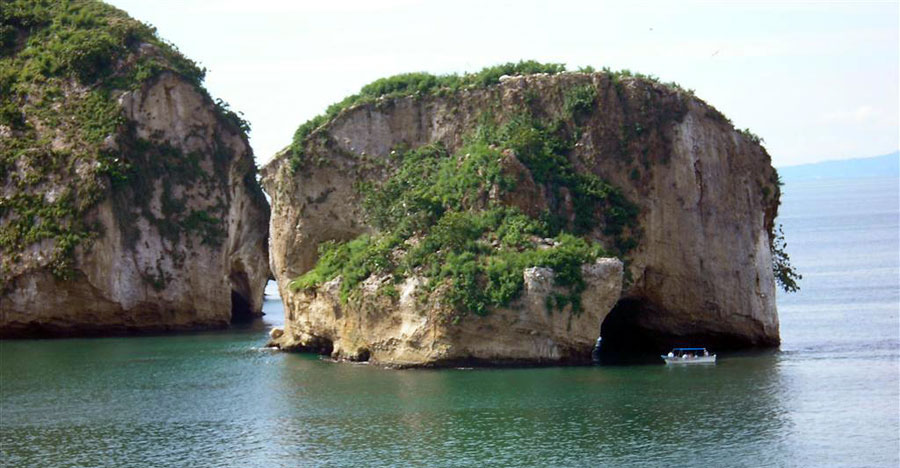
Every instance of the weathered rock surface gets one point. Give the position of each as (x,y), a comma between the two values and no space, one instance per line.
(136,276)
(418,327)
(128,198)
(700,273)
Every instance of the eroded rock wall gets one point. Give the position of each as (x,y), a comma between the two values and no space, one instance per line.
(417,327)
(701,270)
(182,242)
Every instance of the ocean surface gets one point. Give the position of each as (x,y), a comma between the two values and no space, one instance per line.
(828,397)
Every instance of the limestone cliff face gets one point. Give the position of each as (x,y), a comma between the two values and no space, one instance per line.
(417,327)
(155,267)
(128,200)
(699,267)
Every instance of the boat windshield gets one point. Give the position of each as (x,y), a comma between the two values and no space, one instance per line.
(689,352)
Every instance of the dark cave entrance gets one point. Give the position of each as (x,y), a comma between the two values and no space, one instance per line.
(241,309)
(362,355)
(636,331)
(319,345)
(625,340)
(621,331)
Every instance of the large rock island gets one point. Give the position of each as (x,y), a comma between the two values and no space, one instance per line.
(516,214)
(128,197)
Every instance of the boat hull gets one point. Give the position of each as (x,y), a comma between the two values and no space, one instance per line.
(695,360)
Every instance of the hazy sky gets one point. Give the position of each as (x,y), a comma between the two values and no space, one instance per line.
(816,80)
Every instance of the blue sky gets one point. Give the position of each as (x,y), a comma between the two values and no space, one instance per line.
(817,81)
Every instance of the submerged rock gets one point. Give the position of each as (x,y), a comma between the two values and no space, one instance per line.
(657,176)
(128,197)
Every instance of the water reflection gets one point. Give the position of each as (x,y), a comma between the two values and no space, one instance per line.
(219,399)
(719,414)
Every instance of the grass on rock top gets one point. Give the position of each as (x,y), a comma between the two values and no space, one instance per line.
(421,83)
(416,84)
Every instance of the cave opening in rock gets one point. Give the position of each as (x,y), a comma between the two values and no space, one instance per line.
(637,329)
(320,345)
(362,355)
(624,338)
(241,309)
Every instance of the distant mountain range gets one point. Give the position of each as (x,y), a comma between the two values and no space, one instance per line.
(887,165)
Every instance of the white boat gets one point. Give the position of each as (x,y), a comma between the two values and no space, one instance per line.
(689,356)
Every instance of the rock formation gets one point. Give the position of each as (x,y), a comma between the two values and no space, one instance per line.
(684,199)
(417,327)
(128,197)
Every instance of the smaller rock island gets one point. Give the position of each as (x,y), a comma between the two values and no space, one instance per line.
(128,196)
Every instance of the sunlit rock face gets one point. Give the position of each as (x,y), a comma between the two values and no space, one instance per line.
(179,243)
(128,196)
(700,270)
(418,328)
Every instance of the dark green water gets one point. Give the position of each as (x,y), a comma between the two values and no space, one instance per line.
(829,397)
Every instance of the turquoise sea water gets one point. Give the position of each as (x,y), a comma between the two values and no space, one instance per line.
(829,397)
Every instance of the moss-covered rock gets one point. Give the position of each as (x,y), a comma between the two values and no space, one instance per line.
(128,197)
(452,188)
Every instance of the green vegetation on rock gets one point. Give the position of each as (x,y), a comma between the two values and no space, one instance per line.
(421,84)
(786,275)
(63,65)
(440,216)
(445,216)
(151,165)
(580,100)
(751,136)
(408,84)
